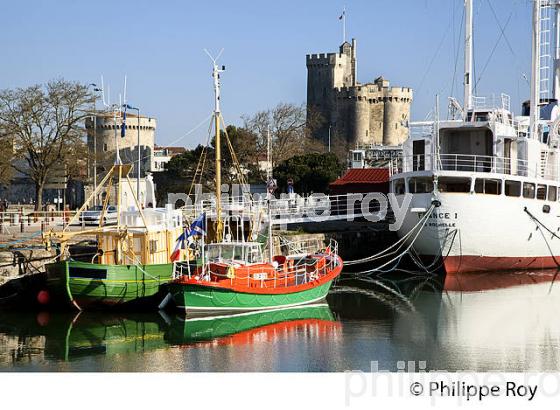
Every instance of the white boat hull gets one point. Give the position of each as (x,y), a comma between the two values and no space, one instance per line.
(473,232)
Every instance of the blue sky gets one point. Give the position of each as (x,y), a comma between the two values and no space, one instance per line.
(159,45)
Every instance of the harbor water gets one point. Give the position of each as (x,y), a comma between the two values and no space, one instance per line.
(503,321)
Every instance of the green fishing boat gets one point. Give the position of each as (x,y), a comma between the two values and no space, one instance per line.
(233,274)
(95,285)
(131,262)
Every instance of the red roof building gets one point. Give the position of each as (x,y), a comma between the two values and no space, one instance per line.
(361,180)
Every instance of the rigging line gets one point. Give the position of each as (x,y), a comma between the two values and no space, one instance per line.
(134,160)
(502,29)
(457,53)
(493,50)
(446,31)
(200,124)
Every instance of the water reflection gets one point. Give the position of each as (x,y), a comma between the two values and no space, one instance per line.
(491,321)
(249,328)
(502,321)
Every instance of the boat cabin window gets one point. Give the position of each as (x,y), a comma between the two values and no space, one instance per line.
(466,149)
(399,186)
(552,192)
(234,252)
(541,192)
(488,186)
(418,155)
(454,184)
(420,185)
(153,245)
(528,190)
(481,116)
(513,188)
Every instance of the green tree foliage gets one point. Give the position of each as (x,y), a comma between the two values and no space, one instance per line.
(181,170)
(178,174)
(311,173)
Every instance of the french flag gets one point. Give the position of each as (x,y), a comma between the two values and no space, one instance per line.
(198,226)
(178,246)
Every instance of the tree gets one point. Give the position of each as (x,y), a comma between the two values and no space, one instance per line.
(178,174)
(245,147)
(311,172)
(6,155)
(290,135)
(45,125)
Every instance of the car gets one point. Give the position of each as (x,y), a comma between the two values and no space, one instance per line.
(93,215)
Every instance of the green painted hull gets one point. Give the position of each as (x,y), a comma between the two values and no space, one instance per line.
(94,285)
(196,299)
(188,331)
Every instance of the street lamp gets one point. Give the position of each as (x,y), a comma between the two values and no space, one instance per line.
(128,107)
(95,89)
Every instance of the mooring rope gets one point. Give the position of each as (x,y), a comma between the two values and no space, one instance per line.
(535,219)
(418,228)
(385,252)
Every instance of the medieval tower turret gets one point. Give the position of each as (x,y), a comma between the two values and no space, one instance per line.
(360,114)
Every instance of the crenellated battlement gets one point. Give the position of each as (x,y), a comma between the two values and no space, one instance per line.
(373,93)
(371,112)
(324,59)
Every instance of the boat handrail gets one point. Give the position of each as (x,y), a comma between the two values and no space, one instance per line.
(284,275)
(474,163)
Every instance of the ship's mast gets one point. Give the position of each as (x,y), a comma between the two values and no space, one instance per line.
(216,75)
(535,70)
(468,100)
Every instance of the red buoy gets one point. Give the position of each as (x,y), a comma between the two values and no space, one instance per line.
(43,318)
(43,297)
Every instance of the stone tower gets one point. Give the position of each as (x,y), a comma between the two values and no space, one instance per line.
(105,140)
(326,73)
(360,114)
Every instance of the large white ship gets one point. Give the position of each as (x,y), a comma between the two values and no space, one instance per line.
(489,180)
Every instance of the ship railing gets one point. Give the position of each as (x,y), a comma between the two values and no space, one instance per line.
(316,207)
(474,163)
(492,102)
(27,220)
(291,272)
(301,246)
(182,268)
